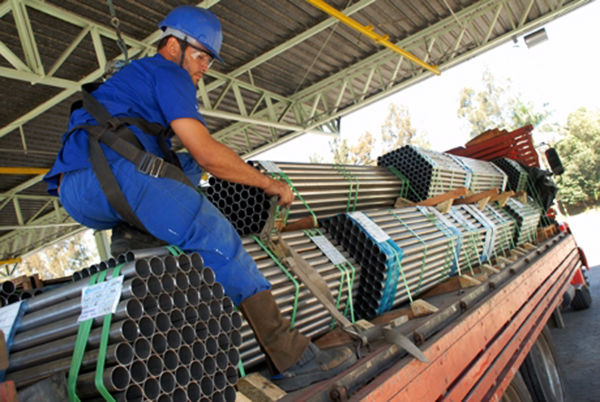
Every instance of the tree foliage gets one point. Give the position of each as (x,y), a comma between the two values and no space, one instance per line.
(396,131)
(580,153)
(62,258)
(496,105)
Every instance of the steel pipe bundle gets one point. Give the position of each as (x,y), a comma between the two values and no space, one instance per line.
(473,235)
(527,217)
(505,225)
(311,318)
(517,175)
(10,293)
(174,335)
(428,254)
(332,189)
(247,208)
(430,173)
(484,175)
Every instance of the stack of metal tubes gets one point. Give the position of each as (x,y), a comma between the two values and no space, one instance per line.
(430,173)
(517,175)
(296,302)
(527,218)
(483,175)
(247,208)
(472,248)
(174,335)
(329,189)
(505,228)
(429,251)
(9,293)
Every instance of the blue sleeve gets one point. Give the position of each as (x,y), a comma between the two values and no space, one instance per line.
(176,95)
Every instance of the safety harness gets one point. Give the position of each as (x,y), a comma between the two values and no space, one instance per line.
(115,133)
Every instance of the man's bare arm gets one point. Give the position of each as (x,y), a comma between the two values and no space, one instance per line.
(223,163)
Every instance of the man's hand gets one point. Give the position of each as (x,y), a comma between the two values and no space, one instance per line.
(276,187)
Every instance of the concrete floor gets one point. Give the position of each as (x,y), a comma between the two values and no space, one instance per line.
(578,343)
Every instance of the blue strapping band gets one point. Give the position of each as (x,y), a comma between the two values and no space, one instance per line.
(459,238)
(394,256)
(393,263)
(490,232)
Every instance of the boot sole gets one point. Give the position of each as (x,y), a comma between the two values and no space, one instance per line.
(297,382)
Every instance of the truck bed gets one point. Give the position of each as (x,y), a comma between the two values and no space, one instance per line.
(475,342)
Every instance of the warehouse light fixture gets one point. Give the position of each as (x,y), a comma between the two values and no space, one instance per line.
(535,38)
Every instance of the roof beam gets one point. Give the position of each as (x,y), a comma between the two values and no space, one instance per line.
(336,83)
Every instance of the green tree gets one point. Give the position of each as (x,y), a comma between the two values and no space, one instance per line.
(580,153)
(496,105)
(397,130)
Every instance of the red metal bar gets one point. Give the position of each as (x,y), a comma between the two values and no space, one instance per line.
(517,346)
(505,337)
(456,347)
(536,327)
(517,145)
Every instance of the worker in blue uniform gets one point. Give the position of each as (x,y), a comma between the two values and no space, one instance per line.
(116,166)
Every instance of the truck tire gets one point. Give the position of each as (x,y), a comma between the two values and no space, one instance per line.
(582,299)
(542,371)
(517,391)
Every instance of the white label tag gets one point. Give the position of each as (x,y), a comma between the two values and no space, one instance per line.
(270,167)
(371,227)
(100,299)
(8,315)
(329,250)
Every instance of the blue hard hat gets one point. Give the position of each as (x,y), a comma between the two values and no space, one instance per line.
(198,23)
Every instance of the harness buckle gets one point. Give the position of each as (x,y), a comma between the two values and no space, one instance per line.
(151,165)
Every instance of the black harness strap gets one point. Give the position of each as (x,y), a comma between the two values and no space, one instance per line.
(115,133)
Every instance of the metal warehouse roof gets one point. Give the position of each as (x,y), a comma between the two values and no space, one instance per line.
(290,69)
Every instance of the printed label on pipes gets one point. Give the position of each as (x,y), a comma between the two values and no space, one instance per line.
(329,250)
(270,167)
(371,227)
(8,315)
(100,299)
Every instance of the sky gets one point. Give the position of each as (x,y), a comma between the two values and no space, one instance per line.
(561,72)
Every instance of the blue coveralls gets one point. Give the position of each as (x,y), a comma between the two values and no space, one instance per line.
(158,91)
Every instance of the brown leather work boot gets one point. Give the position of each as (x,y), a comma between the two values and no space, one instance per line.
(293,360)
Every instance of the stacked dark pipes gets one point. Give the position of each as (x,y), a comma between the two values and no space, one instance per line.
(247,208)
(327,188)
(174,335)
(505,225)
(311,318)
(421,274)
(9,293)
(484,175)
(517,176)
(527,217)
(430,173)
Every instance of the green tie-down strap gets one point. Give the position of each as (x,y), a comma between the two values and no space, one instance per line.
(287,273)
(284,177)
(348,275)
(83,335)
(405,186)
(424,252)
(353,191)
(174,250)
